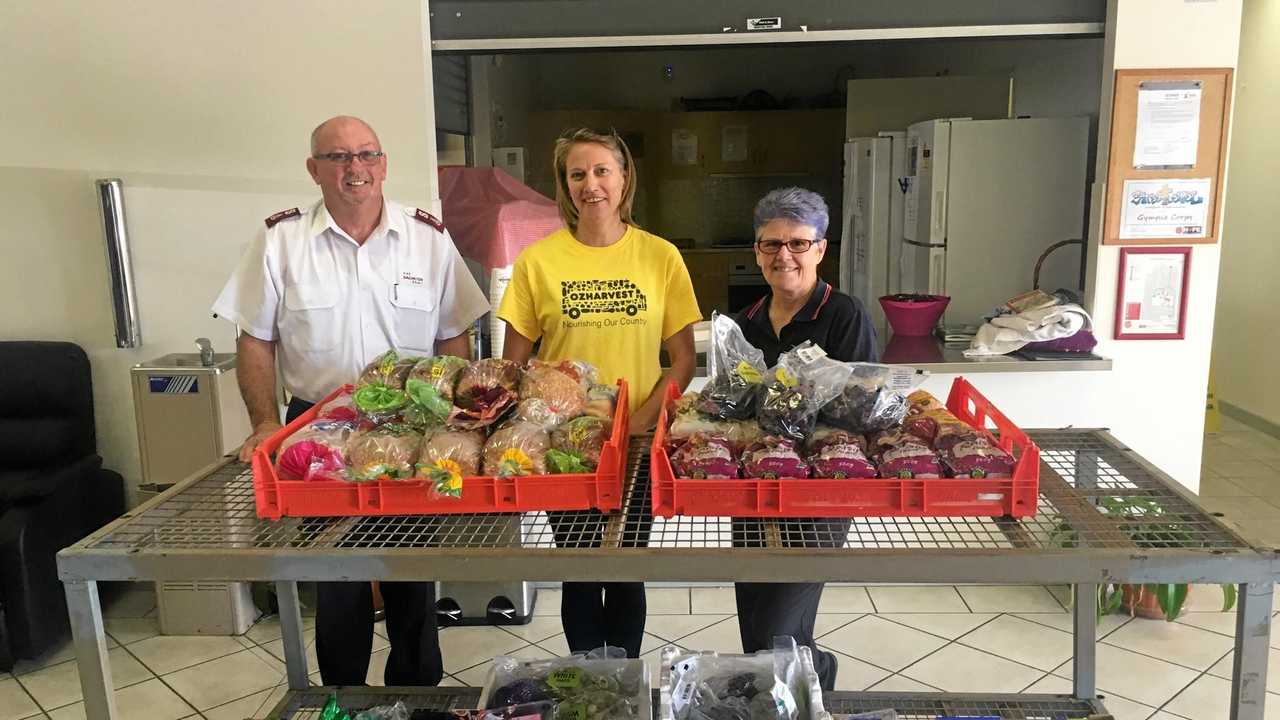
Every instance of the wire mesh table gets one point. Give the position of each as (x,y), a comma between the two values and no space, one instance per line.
(1105,516)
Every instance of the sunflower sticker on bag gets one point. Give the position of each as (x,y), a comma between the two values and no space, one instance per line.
(446,478)
(514,462)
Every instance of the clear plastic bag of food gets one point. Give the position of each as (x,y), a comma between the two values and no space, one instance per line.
(317,451)
(838,454)
(874,398)
(576,445)
(686,422)
(440,372)
(429,388)
(602,402)
(486,390)
(378,403)
(449,455)
(528,711)
(772,458)
(735,371)
(540,413)
(704,457)
(596,686)
(804,380)
(558,389)
(516,448)
(777,685)
(386,451)
(398,711)
(342,408)
(388,369)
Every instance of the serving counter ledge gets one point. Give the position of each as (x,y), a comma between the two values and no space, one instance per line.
(205,528)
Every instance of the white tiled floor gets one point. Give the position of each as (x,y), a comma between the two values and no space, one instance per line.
(891,638)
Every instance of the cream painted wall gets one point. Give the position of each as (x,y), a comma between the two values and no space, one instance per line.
(1155,399)
(1250,252)
(204,109)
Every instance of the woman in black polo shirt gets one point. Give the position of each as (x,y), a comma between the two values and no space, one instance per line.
(790,229)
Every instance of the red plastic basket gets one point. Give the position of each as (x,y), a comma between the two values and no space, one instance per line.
(601,490)
(822,497)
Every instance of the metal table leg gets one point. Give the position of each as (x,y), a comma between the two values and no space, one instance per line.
(1084,660)
(295,650)
(1253,648)
(90,642)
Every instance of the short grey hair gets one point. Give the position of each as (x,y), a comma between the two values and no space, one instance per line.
(795,204)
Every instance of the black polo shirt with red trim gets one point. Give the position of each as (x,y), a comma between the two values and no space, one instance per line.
(836,322)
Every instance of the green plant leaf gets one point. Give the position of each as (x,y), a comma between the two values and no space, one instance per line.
(1171,597)
(1228,596)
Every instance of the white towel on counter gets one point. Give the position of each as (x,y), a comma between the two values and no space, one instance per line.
(1010,333)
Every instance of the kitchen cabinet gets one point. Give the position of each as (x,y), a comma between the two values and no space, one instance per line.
(775,142)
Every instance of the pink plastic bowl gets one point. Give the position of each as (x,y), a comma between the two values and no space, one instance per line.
(913,319)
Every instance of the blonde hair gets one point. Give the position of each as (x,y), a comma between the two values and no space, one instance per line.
(611,141)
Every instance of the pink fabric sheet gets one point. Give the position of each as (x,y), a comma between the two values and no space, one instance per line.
(491,216)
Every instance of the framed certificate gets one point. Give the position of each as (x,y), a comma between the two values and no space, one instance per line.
(1151,295)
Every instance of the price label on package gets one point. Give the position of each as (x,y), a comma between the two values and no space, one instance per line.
(902,378)
(810,354)
(565,678)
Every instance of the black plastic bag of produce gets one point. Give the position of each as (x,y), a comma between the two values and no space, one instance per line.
(735,370)
(804,380)
(596,686)
(874,398)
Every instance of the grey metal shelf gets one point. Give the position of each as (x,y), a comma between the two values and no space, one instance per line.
(1105,515)
(307,704)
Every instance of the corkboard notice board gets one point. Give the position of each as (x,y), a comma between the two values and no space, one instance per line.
(1189,207)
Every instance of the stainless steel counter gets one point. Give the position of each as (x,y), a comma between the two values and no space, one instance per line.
(930,353)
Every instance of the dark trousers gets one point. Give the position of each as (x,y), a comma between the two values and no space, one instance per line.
(595,614)
(344,625)
(766,610)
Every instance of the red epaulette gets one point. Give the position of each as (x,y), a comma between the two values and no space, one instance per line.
(423,216)
(283,215)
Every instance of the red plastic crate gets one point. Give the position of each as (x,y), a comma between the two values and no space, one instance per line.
(823,497)
(601,490)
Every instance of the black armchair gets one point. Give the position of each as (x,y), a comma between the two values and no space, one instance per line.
(53,489)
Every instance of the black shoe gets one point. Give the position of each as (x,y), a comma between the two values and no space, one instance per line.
(827,665)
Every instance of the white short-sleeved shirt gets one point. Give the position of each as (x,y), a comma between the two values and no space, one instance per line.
(332,305)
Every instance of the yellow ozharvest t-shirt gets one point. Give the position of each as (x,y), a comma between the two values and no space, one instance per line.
(610,306)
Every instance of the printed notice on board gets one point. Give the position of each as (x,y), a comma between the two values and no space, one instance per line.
(1168,131)
(1165,209)
(684,147)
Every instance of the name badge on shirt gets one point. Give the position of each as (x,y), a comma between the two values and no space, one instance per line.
(408,278)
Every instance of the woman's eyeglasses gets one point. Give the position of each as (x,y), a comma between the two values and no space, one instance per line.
(795,246)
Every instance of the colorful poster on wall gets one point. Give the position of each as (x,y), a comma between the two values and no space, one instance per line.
(1172,208)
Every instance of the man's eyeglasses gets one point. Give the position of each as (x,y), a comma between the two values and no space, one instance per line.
(794,245)
(345,158)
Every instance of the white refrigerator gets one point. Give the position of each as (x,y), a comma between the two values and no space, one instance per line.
(984,199)
(871,252)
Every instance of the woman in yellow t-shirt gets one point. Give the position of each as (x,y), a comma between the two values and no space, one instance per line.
(604,291)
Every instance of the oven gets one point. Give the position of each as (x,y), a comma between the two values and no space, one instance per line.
(746,285)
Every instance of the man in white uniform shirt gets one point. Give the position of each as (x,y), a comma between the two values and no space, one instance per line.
(324,290)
